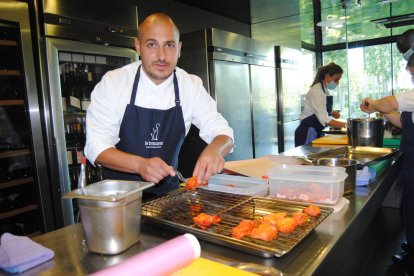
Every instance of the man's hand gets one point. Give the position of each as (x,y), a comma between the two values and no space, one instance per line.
(368,105)
(211,160)
(209,163)
(154,169)
(336,114)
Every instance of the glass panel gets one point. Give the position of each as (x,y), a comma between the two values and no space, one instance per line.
(79,73)
(340,95)
(333,30)
(264,110)
(234,105)
(401,78)
(307,72)
(289,131)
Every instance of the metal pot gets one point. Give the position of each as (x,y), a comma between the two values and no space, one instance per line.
(350,169)
(111,214)
(365,132)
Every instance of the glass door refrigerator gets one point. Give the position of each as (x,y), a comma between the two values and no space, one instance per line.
(239,73)
(25,203)
(289,94)
(71,70)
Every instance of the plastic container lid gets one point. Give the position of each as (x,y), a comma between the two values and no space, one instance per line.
(240,185)
(323,173)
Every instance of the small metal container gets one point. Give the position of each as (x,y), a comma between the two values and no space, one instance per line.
(350,169)
(365,132)
(110,214)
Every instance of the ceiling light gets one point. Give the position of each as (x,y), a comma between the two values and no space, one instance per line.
(332,23)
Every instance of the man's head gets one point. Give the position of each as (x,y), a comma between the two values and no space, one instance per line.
(159,46)
(405,43)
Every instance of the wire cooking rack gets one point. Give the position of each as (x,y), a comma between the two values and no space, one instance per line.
(176,211)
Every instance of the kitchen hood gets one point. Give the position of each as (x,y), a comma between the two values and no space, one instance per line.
(95,21)
(396,21)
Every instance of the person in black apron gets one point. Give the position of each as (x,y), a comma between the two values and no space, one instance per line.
(388,105)
(137,123)
(150,138)
(311,127)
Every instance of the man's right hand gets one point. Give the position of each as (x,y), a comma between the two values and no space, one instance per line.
(154,169)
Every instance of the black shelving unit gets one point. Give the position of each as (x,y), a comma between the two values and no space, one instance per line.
(19,212)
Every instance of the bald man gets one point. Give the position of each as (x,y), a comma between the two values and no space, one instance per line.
(140,114)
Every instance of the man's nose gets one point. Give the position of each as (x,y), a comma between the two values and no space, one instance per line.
(161,53)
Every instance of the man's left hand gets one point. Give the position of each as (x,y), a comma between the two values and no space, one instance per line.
(209,163)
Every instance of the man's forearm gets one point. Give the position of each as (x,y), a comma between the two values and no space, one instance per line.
(115,159)
(386,104)
(222,143)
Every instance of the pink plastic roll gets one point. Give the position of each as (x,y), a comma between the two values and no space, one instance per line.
(163,259)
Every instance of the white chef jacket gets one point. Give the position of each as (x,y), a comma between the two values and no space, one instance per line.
(315,103)
(406,101)
(112,94)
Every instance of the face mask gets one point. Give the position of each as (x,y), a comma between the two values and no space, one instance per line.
(408,54)
(331,85)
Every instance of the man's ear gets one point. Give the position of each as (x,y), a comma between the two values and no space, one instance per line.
(180,44)
(137,46)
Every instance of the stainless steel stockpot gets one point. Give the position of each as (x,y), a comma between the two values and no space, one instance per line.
(365,132)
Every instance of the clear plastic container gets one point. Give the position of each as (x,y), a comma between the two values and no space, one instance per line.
(240,185)
(313,184)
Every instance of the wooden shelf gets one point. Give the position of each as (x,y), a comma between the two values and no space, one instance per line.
(13,153)
(9,73)
(4,42)
(15,182)
(11,102)
(19,211)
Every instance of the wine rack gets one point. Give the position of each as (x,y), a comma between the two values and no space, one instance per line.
(19,212)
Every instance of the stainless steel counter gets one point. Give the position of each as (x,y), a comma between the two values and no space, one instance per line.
(323,252)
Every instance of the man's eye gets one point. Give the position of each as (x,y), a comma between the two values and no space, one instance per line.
(170,45)
(151,45)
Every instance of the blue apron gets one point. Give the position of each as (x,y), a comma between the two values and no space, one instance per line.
(310,128)
(149,133)
(407,175)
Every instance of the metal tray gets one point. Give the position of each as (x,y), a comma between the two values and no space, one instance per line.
(364,155)
(176,211)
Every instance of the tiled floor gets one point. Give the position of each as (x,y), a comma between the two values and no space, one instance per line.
(389,222)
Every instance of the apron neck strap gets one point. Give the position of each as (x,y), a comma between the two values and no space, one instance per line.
(135,86)
(176,91)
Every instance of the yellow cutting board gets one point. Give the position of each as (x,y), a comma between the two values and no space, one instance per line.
(333,139)
(204,267)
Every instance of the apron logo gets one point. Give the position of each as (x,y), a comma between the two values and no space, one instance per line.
(154,144)
(154,134)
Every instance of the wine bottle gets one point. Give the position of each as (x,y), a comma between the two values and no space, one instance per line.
(5,204)
(69,157)
(63,85)
(86,89)
(10,228)
(82,175)
(18,170)
(74,101)
(4,175)
(17,200)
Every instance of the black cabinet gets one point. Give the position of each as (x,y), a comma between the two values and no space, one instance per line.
(19,212)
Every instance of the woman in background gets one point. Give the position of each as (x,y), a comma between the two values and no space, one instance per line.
(317,112)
